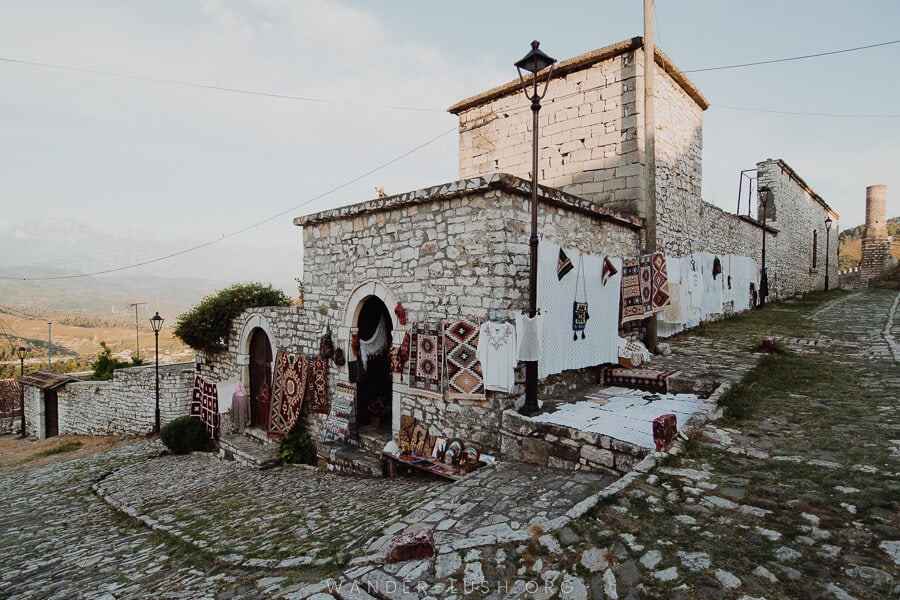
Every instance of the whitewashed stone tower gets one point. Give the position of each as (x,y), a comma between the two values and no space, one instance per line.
(875,242)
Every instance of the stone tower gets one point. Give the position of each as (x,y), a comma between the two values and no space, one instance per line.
(875,243)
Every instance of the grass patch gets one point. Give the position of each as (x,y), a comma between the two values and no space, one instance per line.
(67,446)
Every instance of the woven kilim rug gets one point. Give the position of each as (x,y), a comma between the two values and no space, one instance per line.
(288,391)
(464,376)
(645,274)
(425,360)
(632,305)
(659,277)
(318,385)
(205,405)
(653,380)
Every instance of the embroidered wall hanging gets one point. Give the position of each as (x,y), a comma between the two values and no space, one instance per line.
(337,425)
(464,376)
(609,270)
(205,405)
(580,314)
(426,358)
(288,391)
(632,304)
(563,265)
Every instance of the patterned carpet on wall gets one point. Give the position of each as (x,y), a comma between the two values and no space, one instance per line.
(205,405)
(288,391)
(464,375)
(426,359)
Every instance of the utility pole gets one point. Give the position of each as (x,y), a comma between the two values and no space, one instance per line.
(49,345)
(137,335)
(650,152)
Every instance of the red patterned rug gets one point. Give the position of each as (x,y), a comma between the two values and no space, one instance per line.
(426,358)
(632,304)
(464,375)
(288,391)
(318,385)
(205,405)
(653,380)
(660,281)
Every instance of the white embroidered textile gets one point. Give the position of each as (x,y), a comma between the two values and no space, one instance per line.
(497,353)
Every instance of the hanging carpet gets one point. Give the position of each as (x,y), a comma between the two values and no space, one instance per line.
(464,376)
(425,360)
(288,391)
(632,304)
(659,278)
(317,386)
(205,405)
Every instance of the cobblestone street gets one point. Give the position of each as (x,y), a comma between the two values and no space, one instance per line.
(799,501)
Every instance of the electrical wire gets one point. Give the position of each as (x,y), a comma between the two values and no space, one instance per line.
(217,88)
(791,58)
(244,229)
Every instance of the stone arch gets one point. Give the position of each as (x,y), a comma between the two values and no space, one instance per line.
(254,321)
(371,287)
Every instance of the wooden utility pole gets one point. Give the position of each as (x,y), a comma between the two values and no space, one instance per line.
(137,335)
(649,152)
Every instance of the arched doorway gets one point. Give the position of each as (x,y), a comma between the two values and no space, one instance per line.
(260,373)
(374,387)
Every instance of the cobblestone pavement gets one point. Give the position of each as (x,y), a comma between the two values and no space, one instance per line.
(799,502)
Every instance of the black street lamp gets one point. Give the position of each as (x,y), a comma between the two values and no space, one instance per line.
(533,62)
(765,195)
(828,223)
(156,322)
(21,352)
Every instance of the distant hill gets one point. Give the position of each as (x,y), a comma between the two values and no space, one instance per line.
(850,243)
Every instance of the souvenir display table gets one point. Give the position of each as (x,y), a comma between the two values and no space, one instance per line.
(425,464)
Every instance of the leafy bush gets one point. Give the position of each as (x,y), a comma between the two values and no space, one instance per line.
(184,435)
(298,448)
(106,363)
(205,327)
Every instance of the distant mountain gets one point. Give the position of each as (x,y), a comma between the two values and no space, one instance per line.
(43,262)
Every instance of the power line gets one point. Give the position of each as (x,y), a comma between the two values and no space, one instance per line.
(239,231)
(779,60)
(217,88)
(807,114)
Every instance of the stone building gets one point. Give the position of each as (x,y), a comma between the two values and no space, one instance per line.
(876,245)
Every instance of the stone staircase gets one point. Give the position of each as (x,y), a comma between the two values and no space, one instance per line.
(363,460)
(249,448)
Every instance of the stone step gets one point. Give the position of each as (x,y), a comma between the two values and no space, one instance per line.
(248,451)
(350,461)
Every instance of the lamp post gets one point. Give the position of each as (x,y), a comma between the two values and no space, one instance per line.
(156,322)
(21,352)
(828,223)
(534,62)
(764,194)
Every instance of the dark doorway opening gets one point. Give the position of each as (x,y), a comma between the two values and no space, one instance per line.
(260,379)
(374,387)
(51,413)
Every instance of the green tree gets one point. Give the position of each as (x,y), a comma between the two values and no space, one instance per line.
(205,327)
(106,363)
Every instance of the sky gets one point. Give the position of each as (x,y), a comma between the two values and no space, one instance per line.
(375,79)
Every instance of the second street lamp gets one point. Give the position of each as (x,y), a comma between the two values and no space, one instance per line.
(534,62)
(828,223)
(156,322)
(21,352)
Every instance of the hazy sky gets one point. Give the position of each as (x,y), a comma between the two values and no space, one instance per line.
(207,163)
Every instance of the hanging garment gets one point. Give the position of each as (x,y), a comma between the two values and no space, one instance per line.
(563,265)
(580,314)
(716,267)
(559,351)
(426,359)
(609,270)
(464,376)
(529,332)
(240,407)
(376,345)
(497,353)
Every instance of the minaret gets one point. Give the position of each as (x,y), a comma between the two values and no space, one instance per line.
(875,243)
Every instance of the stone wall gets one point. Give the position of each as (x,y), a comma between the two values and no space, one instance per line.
(591,130)
(125,405)
(849,279)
